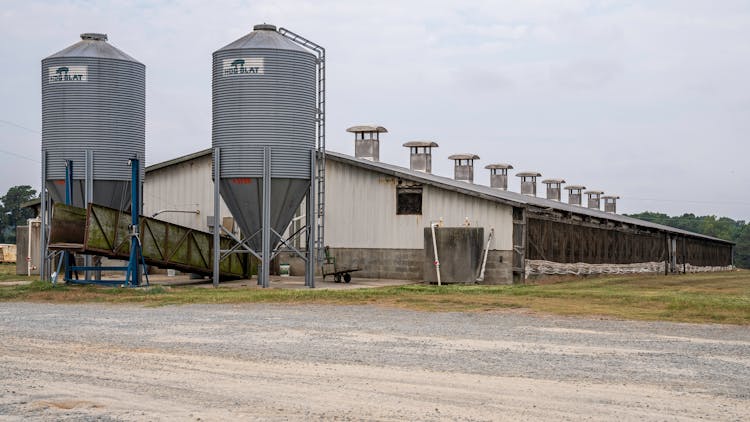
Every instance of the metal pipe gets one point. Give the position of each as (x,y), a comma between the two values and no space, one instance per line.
(217,214)
(486,253)
(434,247)
(43,215)
(196,212)
(28,248)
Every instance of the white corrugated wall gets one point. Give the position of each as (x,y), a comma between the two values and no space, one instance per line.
(185,186)
(361,212)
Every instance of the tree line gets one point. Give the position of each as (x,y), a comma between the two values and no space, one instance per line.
(11,213)
(723,228)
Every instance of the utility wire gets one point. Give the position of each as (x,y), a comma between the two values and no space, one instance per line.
(20,156)
(19,126)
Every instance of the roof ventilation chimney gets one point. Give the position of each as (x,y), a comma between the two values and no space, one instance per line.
(499,175)
(574,194)
(553,188)
(464,166)
(528,182)
(421,155)
(367,141)
(594,198)
(610,203)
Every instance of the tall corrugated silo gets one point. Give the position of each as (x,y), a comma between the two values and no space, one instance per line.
(93,98)
(264,95)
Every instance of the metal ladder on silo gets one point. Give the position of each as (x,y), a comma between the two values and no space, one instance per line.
(321,120)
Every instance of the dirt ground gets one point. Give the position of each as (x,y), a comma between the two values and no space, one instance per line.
(273,362)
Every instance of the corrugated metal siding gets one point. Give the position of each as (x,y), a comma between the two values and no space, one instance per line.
(184,186)
(106,113)
(361,212)
(276,108)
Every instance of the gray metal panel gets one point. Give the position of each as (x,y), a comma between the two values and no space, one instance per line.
(105,113)
(368,149)
(244,198)
(276,107)
(421,162)
(499,181)
(528,188)
(109,193)
(553,192)
(574,198)
(502,196)
(464,173)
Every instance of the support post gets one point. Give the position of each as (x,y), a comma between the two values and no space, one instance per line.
(43,265)
(266,217)
(217,215)
(68,201)
(135,182)
(311,222)
(88,195)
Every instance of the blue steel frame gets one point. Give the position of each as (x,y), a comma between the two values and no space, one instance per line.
(132,272)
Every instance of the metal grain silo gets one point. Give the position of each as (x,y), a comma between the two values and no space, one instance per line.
(265,91)
(93,99)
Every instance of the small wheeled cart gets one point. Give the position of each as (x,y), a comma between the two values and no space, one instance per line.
(329,267)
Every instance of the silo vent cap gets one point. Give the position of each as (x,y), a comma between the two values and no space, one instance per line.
(94,36)
(264,27)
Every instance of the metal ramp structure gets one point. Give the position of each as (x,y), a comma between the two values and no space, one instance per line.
(103,231)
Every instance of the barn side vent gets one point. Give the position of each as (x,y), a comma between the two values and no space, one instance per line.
(421,155)
(367,141)
(464,166)
(594,198)
(575,194)
(528,182)
(610,203)
(499,175)
(553,188)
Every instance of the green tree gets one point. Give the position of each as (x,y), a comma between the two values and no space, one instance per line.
(723,228)
(12,213)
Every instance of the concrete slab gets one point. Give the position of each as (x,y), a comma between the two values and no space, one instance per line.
(278,282)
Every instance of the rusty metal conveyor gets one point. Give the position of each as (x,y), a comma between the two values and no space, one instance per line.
(98,230)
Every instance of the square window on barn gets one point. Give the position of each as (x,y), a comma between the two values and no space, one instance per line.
(409,200)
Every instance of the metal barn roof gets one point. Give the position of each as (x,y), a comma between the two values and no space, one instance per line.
(479,191)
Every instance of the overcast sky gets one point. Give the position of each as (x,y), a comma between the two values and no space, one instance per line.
(646,99)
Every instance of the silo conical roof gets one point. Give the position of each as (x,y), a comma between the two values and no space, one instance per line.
(264,36)
(91,45)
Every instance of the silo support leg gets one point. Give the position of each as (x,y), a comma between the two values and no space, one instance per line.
(265,270)
(310,221)
(217,215)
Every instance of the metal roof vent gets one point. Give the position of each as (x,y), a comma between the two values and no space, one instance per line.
(264,27)
(528,182)
(464,166)
(499,175)
(367,141)
(610,203)
(94,36)
(594,198)
(421,155)
(553,188)
(574,194)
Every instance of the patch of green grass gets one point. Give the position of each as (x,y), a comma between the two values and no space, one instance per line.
(8,273)
(711,297)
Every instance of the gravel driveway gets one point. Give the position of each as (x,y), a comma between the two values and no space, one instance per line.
(281,362)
